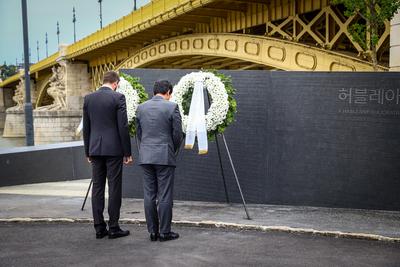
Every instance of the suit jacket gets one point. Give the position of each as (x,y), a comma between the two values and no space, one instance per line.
(159,131)
(105,124)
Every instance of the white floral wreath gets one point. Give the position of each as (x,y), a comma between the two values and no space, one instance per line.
(219,98)
(131,97)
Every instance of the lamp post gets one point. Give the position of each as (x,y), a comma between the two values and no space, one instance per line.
(27,105)
(47,46)
(37,50)
(58,33)
(134,5)
(74,20)
(101,15)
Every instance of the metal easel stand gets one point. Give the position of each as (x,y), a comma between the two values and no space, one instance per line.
(87,194)
(234,173)
(222,169)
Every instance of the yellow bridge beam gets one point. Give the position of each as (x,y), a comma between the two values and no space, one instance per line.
(272,52)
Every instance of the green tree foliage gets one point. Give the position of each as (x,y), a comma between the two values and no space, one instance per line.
(374,13)
(7,71)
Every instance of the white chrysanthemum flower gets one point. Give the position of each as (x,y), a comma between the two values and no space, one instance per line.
(131,97)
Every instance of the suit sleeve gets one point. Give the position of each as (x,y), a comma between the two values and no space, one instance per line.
(122,120)
(177,134)
(86,127)
(138,126)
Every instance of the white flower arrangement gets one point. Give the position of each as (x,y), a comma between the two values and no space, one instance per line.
(131,97)
(219,98)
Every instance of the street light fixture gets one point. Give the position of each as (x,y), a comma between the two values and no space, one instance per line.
(47,46)
(27,105)
(58,33)
(37,49)
(74,20)
(101,15)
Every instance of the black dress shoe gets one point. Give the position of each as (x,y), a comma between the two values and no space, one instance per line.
(169,236)
(101,234)
(117,233)
(154,236)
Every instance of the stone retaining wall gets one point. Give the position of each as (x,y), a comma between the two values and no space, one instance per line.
(14,124)
(56,126)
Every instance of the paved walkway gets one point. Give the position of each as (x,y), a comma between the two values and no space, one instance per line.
(62,201)
(74,245)
(10,142)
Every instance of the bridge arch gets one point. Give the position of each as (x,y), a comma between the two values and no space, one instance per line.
(43,98)
(271,52)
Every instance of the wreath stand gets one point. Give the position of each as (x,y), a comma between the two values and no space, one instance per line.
(232,166)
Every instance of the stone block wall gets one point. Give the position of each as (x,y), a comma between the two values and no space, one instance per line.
(14,124)
(77,85)
(56,126)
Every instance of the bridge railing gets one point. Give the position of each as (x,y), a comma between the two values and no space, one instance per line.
(126,23)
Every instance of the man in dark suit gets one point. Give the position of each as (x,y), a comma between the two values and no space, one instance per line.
(159,131)
(107,146)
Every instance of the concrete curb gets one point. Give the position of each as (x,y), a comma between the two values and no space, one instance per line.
(223,225)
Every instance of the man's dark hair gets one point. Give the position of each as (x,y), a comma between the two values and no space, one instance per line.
(110,77)
(162,87)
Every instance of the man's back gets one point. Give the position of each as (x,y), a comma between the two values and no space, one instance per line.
(105,124)
(159,131)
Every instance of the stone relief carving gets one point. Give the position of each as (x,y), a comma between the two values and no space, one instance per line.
(57,90)
(19,96)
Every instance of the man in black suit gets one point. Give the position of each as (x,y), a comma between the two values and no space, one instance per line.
(159,130)
(107,146)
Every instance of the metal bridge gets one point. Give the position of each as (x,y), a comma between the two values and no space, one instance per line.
(291,35)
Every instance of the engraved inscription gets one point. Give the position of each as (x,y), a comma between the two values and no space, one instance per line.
(362,96)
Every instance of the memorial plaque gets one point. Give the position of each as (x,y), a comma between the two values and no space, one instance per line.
(300,138)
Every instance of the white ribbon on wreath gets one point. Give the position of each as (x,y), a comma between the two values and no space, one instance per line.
(196,125)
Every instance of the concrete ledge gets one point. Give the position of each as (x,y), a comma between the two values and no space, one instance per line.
(28,149)
(46,163)
(224,225)
(57,113)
